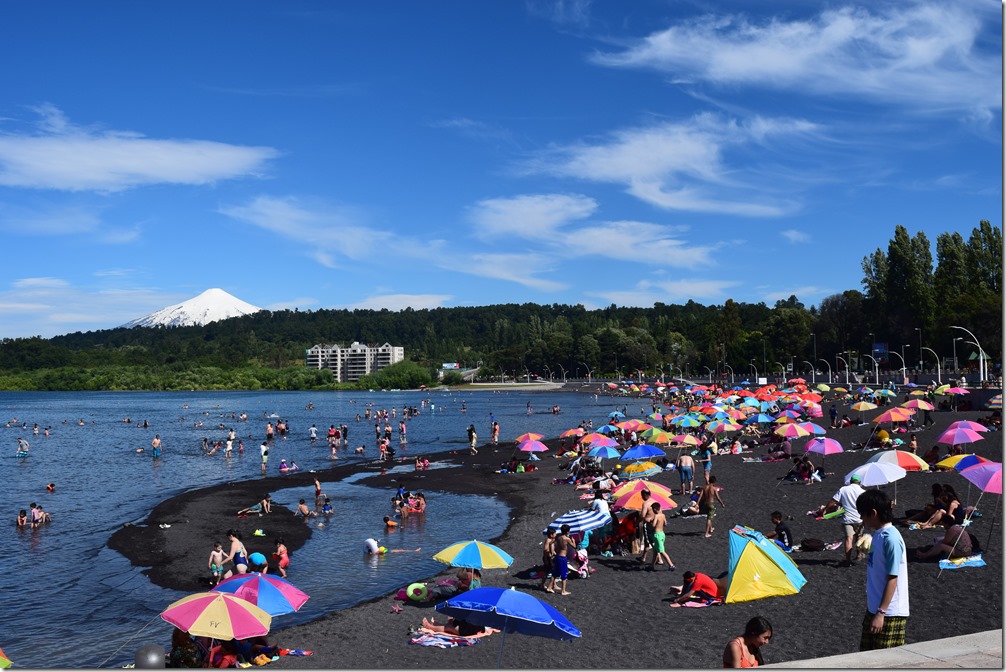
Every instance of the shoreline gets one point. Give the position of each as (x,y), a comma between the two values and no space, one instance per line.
(822,620)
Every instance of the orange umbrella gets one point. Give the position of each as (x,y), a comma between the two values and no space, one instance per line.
(576,431)
(633,501)
(894,415)
(529,436)
(639,485)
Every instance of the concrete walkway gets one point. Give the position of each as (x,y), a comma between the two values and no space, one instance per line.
(980,650)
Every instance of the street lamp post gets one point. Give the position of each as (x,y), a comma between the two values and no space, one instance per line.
(681,374)
(939,378)
(545,366)
(731,372)
(876,368)
(563,372)
(846,369)
(981,361)
(710,374)
(956,367)
(919,329)
(755,369)
(904,369)
(782,370)
(828,364)
(903,346)
(813,368)
(590,371)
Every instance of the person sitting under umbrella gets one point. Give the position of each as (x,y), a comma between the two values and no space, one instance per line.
(457,627)
(956,543)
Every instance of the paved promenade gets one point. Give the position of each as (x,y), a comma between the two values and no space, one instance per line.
(980,650)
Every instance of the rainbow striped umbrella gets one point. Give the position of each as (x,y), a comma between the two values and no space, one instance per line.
(274,594)
(475,554)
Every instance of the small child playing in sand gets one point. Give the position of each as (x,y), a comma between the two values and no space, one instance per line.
(216,563)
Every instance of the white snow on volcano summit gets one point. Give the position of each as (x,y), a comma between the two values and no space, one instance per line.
(210,306)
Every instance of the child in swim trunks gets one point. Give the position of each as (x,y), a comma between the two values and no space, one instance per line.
(216,563)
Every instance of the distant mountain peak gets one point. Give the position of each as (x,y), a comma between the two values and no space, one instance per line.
(211,306)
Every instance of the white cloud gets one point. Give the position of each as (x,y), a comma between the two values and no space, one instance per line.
(325,231)
(401,301)
(48,221)
(41,283)
(66,157)
(519,268)
(533,217)
(795,236)
(683,165)
(922,54)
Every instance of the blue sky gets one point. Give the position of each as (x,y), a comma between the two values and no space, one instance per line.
(366,154)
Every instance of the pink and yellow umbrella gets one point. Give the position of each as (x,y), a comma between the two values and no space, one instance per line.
(217,615)
(576,431)
(920,404)
(528,436)
(791,431)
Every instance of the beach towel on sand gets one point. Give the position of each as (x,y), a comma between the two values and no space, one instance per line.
(697,603)
(958,563)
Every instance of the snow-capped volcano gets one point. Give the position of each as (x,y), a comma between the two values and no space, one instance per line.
(210,306)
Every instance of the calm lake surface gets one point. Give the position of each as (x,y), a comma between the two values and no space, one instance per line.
(72,602)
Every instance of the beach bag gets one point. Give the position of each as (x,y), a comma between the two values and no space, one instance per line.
(812,545)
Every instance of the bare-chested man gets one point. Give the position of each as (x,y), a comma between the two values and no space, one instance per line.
(686,469)
(564,545)
(708,496)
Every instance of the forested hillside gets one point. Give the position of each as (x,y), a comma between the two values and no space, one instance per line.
(906,295)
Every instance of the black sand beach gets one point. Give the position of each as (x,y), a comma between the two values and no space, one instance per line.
(622,610)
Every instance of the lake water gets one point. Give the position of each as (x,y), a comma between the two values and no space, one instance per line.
(69,601)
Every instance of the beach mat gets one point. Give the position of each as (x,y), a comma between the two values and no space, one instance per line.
(960,563)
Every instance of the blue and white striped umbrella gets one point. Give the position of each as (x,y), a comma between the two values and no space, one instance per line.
(603,452)
(581,520)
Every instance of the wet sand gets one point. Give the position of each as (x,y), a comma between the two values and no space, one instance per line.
(622,610)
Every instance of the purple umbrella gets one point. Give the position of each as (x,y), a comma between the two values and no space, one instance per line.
(824,446)
(955,437)
(532,446)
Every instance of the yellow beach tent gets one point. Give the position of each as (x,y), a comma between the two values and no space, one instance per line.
(759,568)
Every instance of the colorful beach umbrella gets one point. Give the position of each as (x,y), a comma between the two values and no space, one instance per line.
(272,593)
(217,615)
(529,436)
(591,438)
(636,486)
(988,476)
(4,660)
(968,424)
(904,459)
(475,554)
(532,447)
(576,431)
(824,446)
(813,427)
(955,437)
(791,431)
(896,414)
(633,501)
(863,406)
(995,402)
(960,462)
(640,470)
(687,439)
(920,404)
(580,520)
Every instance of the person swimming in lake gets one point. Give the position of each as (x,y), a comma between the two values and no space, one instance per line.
(22,519)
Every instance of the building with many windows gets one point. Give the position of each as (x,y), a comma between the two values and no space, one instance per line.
(350,363)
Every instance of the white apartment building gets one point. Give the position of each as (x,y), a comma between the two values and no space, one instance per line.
(349,364)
